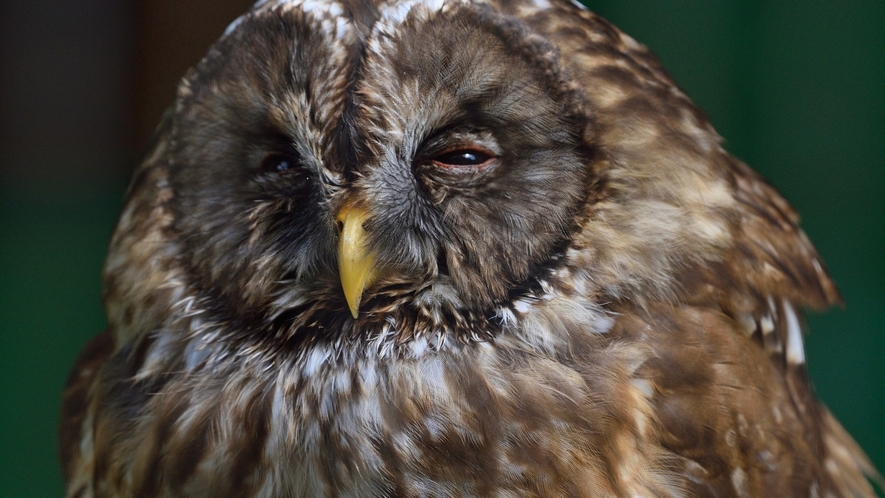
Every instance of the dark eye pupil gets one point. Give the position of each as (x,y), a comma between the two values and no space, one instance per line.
(278,163)
(282,165)
(463,158)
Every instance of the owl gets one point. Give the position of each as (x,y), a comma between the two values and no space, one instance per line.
(449,248)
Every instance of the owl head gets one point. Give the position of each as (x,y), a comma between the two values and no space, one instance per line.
(334,169)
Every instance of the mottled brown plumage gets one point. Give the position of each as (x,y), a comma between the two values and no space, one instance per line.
(449,248)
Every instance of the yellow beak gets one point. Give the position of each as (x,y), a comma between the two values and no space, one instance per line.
(356,266)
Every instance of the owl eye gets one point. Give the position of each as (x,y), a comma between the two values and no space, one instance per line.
(276,162)
(464,158)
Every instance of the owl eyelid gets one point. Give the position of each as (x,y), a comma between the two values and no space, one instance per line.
(465,157)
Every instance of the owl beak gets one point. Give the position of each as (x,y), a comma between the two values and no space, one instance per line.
(356,266)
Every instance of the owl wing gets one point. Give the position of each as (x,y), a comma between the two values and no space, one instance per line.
(772,254)
(735,423)
(732,394)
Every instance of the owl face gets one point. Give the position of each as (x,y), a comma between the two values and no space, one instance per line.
(453,151)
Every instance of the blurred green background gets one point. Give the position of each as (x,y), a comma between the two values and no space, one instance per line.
(797,88)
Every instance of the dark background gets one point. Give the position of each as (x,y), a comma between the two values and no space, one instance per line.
(796,87)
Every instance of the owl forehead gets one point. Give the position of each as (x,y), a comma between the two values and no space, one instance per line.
(345,27)
(338,18)
(388,56)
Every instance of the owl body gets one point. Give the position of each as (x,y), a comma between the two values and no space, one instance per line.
(446,248)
